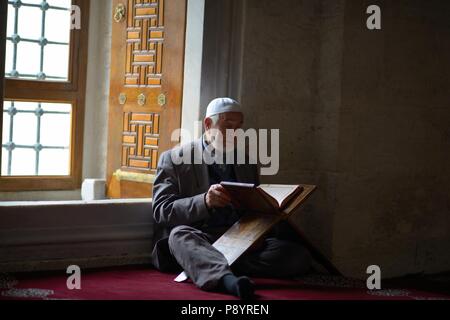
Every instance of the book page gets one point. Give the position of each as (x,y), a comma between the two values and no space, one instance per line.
(247,196)
(279,192)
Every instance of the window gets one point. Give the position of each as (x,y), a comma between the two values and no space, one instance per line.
(43,108)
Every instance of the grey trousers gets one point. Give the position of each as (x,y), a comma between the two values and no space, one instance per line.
(205,265)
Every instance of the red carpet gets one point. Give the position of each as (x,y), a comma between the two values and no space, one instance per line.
(140,283)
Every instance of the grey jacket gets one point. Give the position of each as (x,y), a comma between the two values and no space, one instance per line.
(179,197)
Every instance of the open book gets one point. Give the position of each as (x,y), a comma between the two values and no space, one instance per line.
(265,198)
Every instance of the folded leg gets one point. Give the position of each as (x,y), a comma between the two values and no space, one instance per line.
(203,263)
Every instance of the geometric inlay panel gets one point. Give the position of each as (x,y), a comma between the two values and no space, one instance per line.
(144,43)
(140,141)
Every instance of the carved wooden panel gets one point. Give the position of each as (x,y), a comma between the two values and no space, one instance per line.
(144,42)
(147,60)
(140,141)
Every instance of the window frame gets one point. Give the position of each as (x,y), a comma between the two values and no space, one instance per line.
(72,91)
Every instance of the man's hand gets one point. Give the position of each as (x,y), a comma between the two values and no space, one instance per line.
(217,197)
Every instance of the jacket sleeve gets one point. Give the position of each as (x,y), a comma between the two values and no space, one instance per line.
(169,207)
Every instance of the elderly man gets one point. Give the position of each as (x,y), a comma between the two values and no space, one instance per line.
(193,210)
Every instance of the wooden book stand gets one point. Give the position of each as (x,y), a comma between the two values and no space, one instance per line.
(253,227)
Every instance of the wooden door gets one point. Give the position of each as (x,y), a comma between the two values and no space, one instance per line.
(147,56)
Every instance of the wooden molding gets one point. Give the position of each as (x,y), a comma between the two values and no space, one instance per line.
(3,24)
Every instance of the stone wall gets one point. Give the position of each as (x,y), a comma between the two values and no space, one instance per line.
(365,116)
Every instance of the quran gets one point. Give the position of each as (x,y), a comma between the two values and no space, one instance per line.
(264,198)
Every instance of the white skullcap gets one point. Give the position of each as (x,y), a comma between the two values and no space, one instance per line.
(222,105)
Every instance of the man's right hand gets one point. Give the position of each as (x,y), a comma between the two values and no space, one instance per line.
(217,197)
